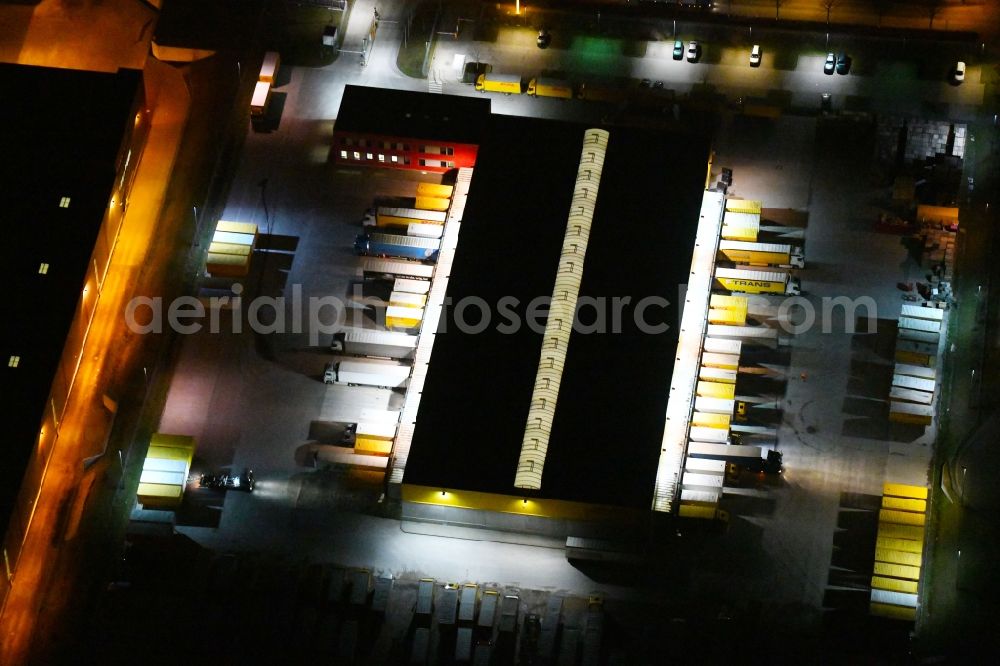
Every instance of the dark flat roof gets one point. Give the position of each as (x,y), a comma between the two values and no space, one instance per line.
(410,114)
(608,425)
(62,133)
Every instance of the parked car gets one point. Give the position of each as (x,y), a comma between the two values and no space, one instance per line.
(843,63)
(958,74)
(694,51)
(830,64)
(755,56)
(544,39)
(678,50)
(645,83)
(227,481)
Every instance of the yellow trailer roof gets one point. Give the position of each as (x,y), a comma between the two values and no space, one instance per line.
(727,316)
(716,390)
(904,504)
(744,205)
(230,248)
(434,190)
(162,490)
(432,203)
(896,531)
(895,584)
(908,545)
(900,490)
(897,571)
(901,517)
(897,557)
(710,420)
(728,302)
(893,612)
(705,512)
(237,227)
(372,445)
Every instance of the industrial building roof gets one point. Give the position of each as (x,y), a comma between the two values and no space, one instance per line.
(609,419)
(417,115)
(63,131)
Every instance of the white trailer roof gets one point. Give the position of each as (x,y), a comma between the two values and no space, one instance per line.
(425,230)
(747,246)
(260,93)
(700,495)
(704,434)
(397,267)
(921,312)
(916,383)
(717,374)
(723,346)
(714,405)
(376,429)
(919,336)
(911,408)
(910,395)
(411,286)
(697,481)
(734,452)
(894,598)
(703,466)
(387,338)
(757,332)
(742,274)
(916,371)
(927,325)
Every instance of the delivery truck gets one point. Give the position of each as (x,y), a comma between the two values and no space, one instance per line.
(373,268)
(540,87)
(761,254)
(385,215)
(757,282)
(391,245)
(435,190)
(367,373)
(375,344)
(508,84)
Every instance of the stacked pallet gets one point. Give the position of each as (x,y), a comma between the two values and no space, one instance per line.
(898,550)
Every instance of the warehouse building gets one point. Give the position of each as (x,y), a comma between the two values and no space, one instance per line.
(72,143)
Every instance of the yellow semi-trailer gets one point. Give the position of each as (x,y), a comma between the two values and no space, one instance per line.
(757,282)
(540,87)
(762,254)
(269,68)
(397,317)
(435,190)
(432,203)
(508,84)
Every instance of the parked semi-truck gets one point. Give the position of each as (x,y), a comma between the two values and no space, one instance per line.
(378,344)
(367,373)
(541,87)
(374,268)
(400,217)
(757,282)
(508,84)
(391,245)
(762,254)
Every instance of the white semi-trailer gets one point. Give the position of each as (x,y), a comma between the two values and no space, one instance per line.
(379,344)
(368,373)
